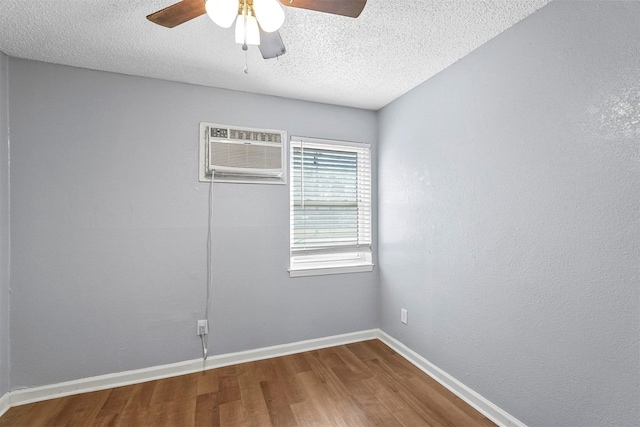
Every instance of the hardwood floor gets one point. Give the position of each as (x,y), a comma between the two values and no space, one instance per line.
(361,384)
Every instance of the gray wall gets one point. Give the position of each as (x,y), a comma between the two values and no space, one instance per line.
(4,226)
(509,217)
(109,223)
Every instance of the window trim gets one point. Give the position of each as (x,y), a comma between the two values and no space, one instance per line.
(354,259)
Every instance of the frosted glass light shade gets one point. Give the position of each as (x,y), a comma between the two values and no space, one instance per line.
(222,12)
(269,14)
(252,34)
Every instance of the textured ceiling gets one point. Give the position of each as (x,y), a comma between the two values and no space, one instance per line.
(366,62)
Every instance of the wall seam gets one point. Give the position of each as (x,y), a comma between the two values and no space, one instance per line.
(8,223)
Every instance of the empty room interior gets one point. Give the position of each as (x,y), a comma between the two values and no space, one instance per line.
(493,153)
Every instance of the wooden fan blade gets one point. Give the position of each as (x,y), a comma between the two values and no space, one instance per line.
(178,13)
(271,45)
(351,8)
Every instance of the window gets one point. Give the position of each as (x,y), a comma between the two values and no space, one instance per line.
(330,207)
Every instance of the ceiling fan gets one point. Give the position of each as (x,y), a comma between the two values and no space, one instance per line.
(257,21)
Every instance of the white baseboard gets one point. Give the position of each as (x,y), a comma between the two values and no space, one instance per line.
(85,385)
(4,404)
(482,405)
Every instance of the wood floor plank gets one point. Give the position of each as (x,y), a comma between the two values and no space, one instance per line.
(165,391)
(116,401)
(254,403)
(233,414)
(207,381)
(452,405)
(307,414)
(377,349)
(326,375)
(265,370)
(392,400)
(133,417)
(280,412)
(228,385)
(353,362)
(39,413)
(414,395)
(94,402)
(181,412)
(352,381)
(66,410)
(287,383)
(376,413)
(322,399)
(11,417)
(398,386)
(154,415)
(329,357)
(356,385)
(141,395)
(359,349)
(442,403)
(296,363)
(280,389)
(207,410)
(187,386)
(107,420)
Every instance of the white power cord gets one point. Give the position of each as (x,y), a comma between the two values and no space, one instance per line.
(204,347)
(209,265)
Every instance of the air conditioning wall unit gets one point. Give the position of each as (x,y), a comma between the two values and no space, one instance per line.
(242,155)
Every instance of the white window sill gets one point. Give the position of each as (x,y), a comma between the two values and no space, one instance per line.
(323,271)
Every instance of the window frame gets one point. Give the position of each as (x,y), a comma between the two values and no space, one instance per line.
(334,259)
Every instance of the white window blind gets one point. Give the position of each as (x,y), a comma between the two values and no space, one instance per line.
(330,205)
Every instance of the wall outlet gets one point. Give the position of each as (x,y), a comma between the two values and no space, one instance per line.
(404,316)
(203,327)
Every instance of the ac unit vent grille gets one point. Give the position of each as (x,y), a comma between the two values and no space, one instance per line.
(247,135)
(246,156)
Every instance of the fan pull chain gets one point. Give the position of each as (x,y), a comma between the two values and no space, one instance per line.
(244,45)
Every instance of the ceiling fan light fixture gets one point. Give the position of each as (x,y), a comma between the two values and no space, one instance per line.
(252,34)
(269,14)
(222,12)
